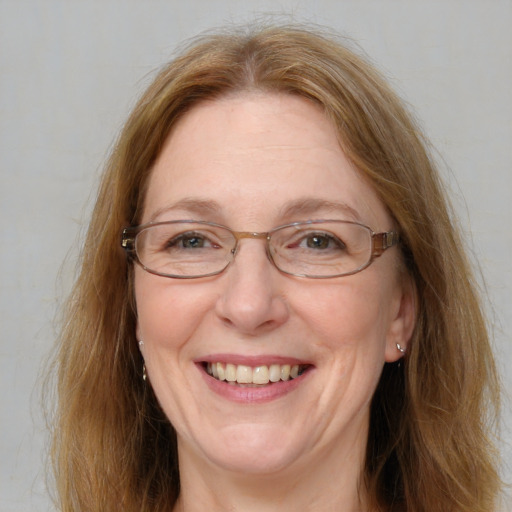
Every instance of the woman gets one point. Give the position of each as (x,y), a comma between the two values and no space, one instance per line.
(293,323)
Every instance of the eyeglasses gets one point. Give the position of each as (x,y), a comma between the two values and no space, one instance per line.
(318,249)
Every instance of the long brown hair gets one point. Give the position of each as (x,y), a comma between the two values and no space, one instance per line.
(429,446)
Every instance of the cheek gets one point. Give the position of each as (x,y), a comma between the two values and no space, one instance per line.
(167,312)
(348,313)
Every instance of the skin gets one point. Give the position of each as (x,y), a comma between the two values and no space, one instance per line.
(252,154)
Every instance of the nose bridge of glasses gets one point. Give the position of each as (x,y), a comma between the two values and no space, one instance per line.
(239,235)
(250,234)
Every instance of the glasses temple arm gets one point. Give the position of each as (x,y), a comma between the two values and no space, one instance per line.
(383,241)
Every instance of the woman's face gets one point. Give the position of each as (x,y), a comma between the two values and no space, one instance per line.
(253,162)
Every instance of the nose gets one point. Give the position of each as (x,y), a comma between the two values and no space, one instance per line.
(252,300)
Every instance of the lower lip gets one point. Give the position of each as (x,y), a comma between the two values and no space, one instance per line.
(255,395)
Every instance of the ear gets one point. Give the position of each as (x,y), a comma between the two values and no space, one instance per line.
(402,320)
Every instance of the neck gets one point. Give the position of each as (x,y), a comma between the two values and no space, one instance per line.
(330,483)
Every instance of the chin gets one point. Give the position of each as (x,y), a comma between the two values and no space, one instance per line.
(254,449)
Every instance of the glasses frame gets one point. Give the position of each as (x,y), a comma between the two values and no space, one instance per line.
(380,242)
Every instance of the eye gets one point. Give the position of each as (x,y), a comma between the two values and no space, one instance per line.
(191,240)
(319,241)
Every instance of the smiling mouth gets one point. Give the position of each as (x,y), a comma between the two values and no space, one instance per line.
(254,376)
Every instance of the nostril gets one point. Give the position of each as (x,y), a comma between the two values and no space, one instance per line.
(227,322)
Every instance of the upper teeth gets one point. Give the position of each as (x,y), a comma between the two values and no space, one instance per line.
(248,375)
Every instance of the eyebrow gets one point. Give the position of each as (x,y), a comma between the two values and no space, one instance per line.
(309,206)
(303,208)
(197,206)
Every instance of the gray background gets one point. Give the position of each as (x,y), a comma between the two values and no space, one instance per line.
(69,73)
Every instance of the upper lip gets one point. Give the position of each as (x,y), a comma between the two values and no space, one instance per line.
(253,361)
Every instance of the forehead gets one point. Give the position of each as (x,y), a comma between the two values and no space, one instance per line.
(251,155)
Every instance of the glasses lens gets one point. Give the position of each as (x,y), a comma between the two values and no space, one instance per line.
(184,249)
(321,249)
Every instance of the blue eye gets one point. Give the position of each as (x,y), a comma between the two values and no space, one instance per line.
(189,241)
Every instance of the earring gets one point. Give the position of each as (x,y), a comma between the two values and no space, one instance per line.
(144,374)
(400,348)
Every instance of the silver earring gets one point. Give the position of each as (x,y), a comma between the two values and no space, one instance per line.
(400,348)
(144,374)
